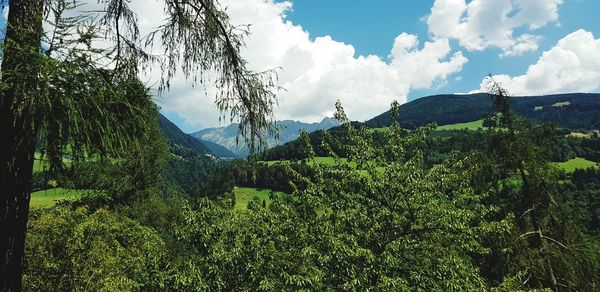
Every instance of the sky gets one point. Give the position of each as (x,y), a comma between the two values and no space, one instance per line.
(368,53)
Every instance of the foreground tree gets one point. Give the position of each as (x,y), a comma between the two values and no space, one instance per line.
(548,247)
(54,91)
(382,221)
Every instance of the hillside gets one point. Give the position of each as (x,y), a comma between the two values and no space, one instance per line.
(573,110)
(176,136)
(289,131)
(217,150)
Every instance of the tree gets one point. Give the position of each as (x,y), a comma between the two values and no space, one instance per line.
(548,247)
(18,134)
(99,110)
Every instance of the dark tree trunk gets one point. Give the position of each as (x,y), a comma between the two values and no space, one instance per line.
(20,77)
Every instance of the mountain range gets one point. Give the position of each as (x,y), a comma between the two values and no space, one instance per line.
(288,131)
(577,111)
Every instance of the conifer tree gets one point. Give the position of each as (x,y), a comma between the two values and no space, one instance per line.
(59,88)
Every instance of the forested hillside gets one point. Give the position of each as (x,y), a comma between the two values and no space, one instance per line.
(175,136)
(573,110)
(350,208)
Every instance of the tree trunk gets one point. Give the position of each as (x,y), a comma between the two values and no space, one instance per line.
(20,77)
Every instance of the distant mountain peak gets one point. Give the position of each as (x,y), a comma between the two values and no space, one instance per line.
(330,121)
(177,137)
(289,130)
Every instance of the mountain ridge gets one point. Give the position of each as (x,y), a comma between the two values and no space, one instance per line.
(289,131)
(176,136)
(574,111)
(569,110)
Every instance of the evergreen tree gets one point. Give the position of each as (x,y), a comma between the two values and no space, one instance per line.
(97,112)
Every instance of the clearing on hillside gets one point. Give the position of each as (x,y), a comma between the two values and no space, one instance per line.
(577,162)
(47,198)
(243,196)
(474,125)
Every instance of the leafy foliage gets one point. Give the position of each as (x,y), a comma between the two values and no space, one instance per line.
(383,217)
(82,250)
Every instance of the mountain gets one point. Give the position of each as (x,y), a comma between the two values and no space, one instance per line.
(217,150)
(572,110)
(175,136)
(289,131)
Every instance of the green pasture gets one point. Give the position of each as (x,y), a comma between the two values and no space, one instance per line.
(474,125)
(243,196)
(47,198)
(575,163)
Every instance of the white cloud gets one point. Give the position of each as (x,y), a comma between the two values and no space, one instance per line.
(572,65)
(480,24)
(317,72)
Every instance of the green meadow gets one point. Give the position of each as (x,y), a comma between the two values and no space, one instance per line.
(575,163)
(243,196)
(47,198)
(474,125)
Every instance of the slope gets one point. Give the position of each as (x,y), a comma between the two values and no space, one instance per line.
(174,135)
(572,110)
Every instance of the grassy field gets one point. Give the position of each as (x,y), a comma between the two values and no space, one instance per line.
(375,130)
(577,162)
(47,198)
(474,125)
(330,161)
(243,196)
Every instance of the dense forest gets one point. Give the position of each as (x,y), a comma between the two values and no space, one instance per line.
(100,192)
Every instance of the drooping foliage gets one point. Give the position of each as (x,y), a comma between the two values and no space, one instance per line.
(548,248)
(73,91)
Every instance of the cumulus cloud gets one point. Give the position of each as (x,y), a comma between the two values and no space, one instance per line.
(572,65)
(316,72)
(481,24)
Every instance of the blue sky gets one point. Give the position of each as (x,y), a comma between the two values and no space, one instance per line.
(371,28)
(3,3)
(368,53)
